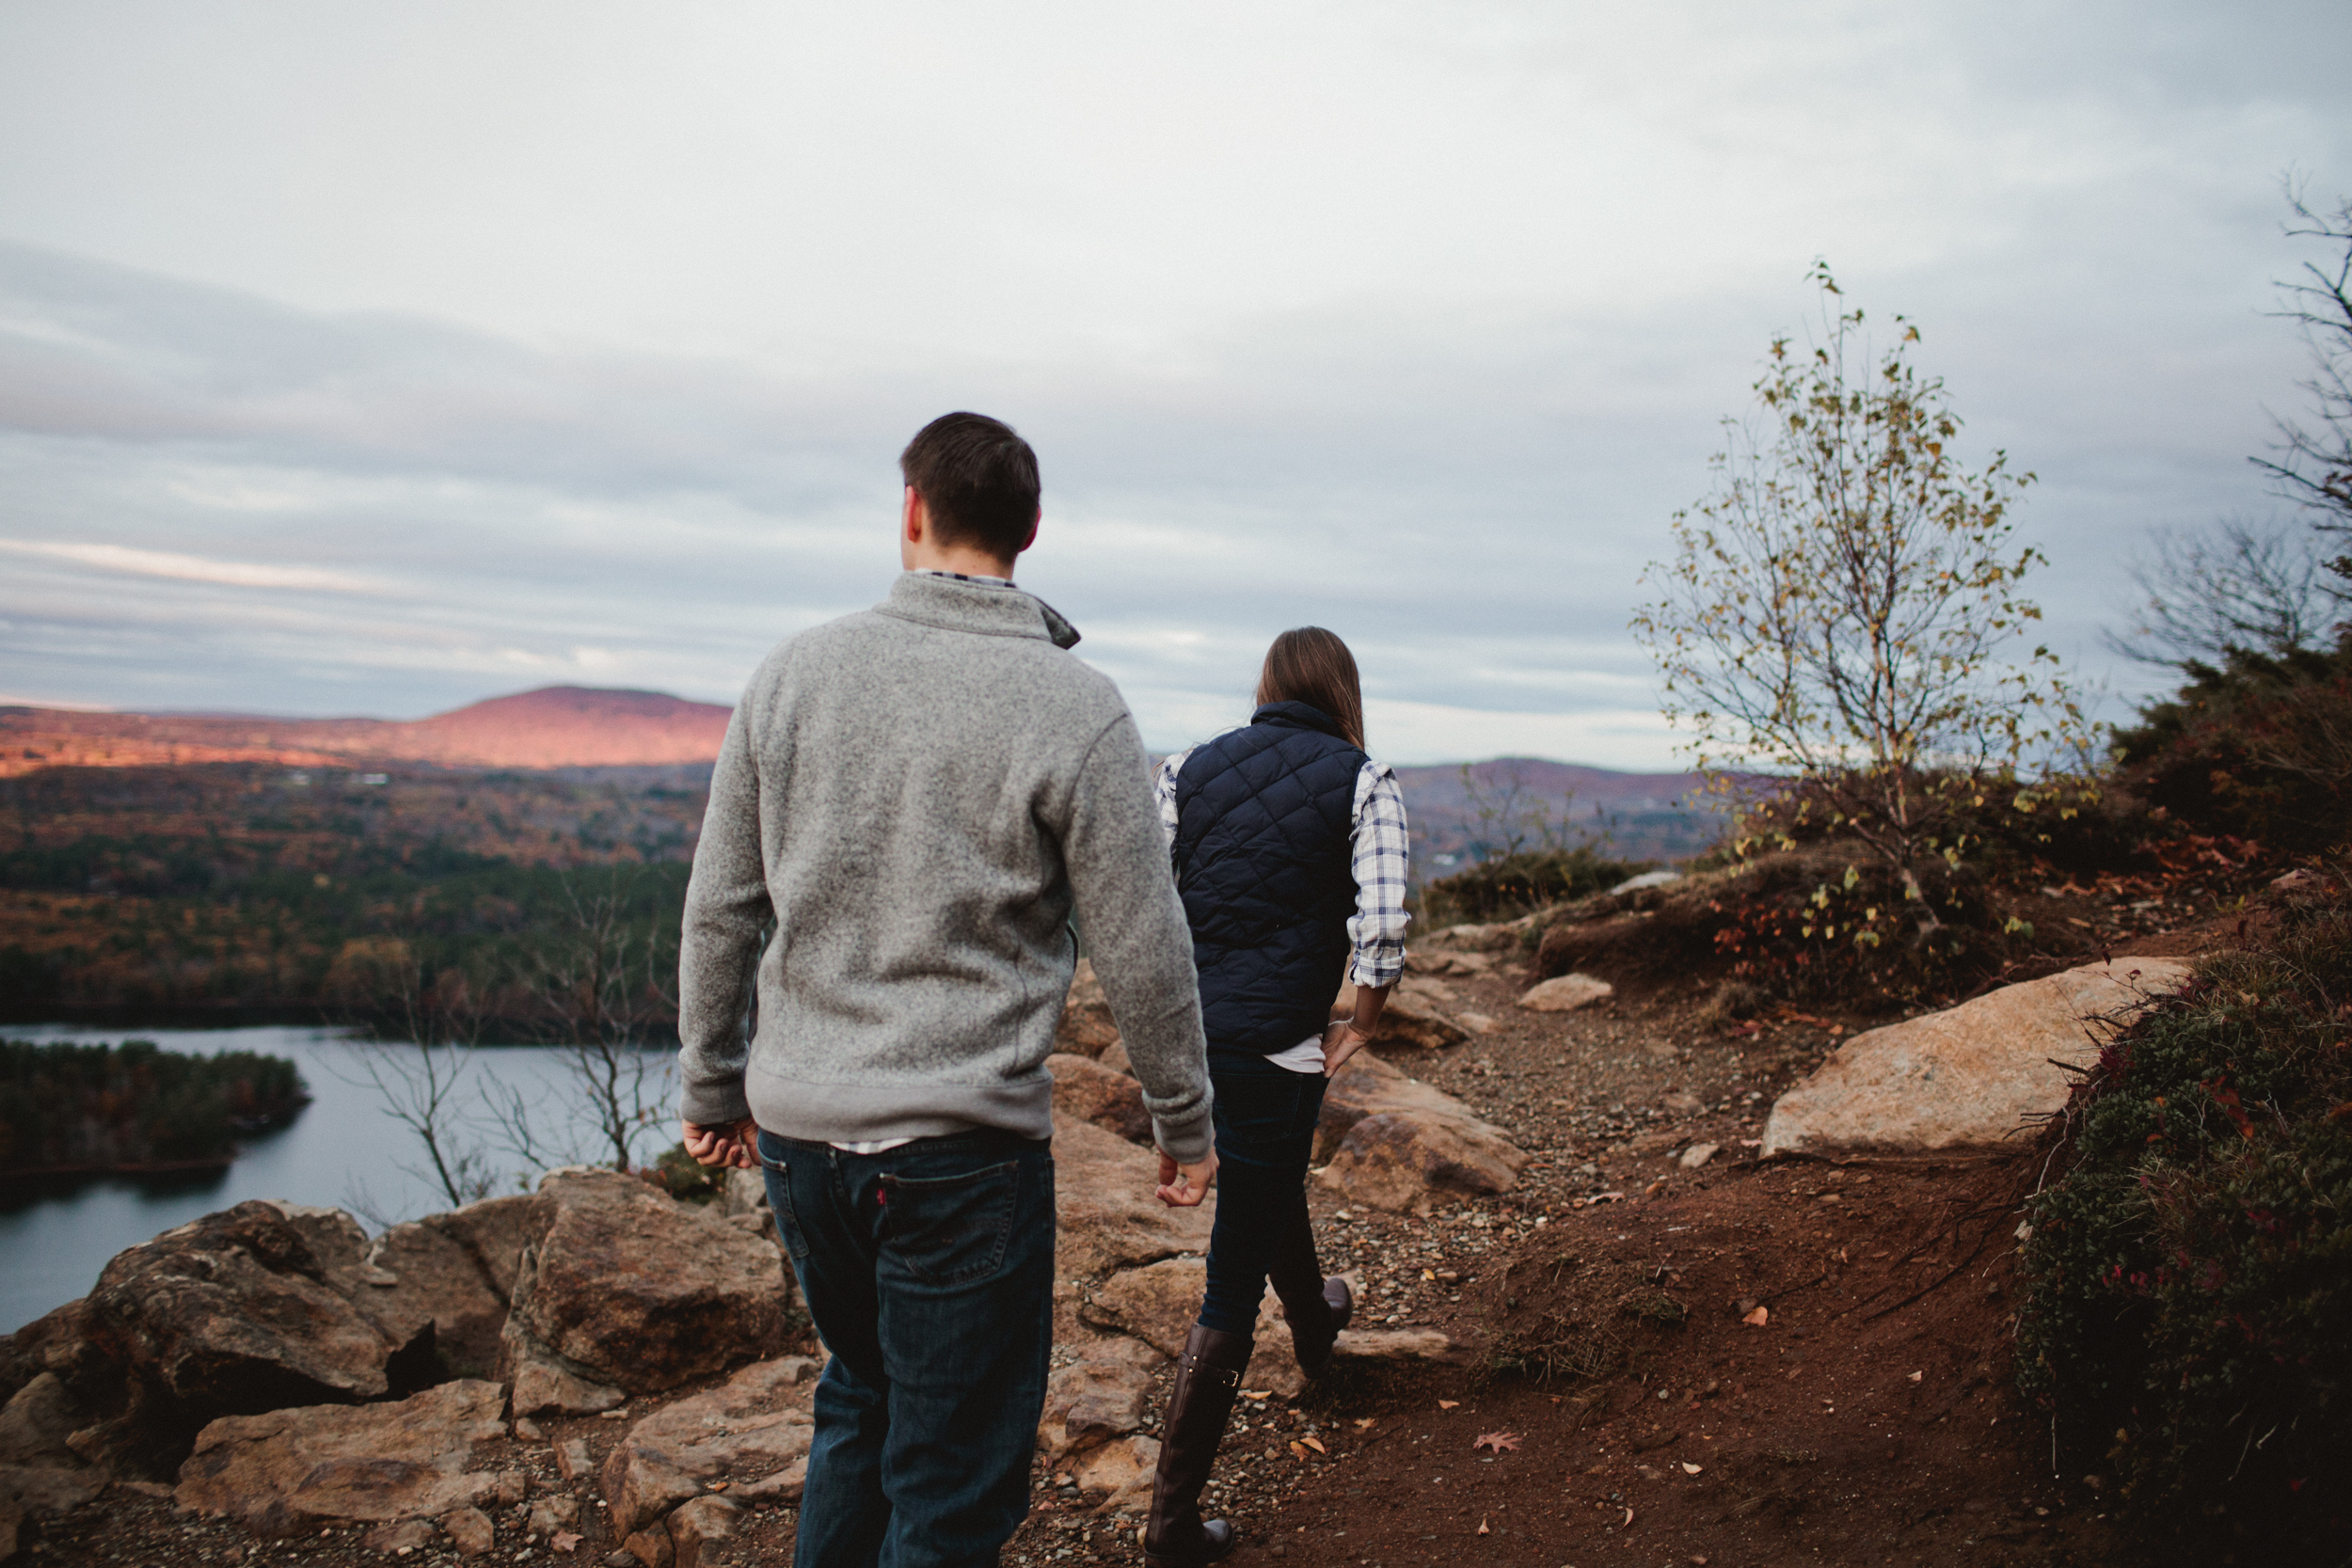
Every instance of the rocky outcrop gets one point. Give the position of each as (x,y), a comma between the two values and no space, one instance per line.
(36,1423)
(291,1471)
(634,1290)
(1160,1302)
(433,1274)
(1368,1086)
(1104,1391)
(1968,1077)
(1566,993)
(1086,1027)
(749,1428)
(1405,1163)
(1396,1143)
(1086,1090)
(30,1492)
(258,1307)
(1108,1217)
(1414,1016)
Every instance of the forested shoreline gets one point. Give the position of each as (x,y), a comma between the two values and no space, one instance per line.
(73,1109)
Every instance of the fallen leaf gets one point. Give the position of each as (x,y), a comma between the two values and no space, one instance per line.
(1315,1443)
(1482,1528)
(1758,1317)
(1917,1376)
(1628,1520)
(1257,1393)
(1448,1404)
(1430,1276)
(1691,1469)
(721,1485)
(563,1540)
(1497,1440)
(1298,1449)
(1363,1421)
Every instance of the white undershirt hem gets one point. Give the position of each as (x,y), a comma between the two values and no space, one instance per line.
(1306,1056)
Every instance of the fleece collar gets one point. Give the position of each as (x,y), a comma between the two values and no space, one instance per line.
(928,600)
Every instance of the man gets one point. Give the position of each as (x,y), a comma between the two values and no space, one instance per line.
(919,797)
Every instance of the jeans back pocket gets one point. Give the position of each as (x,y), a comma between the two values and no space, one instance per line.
(951,1230)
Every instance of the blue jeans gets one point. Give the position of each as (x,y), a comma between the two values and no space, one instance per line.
(929,1271)
(1265,1133)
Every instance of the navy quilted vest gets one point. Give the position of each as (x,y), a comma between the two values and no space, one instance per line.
(1264,826)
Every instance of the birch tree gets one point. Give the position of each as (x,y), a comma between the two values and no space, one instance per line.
(1846,605)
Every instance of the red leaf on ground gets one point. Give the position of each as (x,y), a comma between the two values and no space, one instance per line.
(1497,1441)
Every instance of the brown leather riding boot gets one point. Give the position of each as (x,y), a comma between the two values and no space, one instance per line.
(1208,1377)
(1318,1309)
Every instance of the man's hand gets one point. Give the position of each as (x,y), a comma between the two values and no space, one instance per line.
(1341,1041)
(1182,1186)
(731,1147)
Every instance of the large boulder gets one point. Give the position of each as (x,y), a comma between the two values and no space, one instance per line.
(32,1492)
(1086,1027)
(34,1424)
(631,1289)
(1392,1142)
(433,1275)
(1086,1090)
(495,1231)
(291,1472)
(1104,1391)
(1367,1085)
(254,1309)
(1407,1162)
(749,1428)
(1969,1076)
(1107,1217)
(1414,1016)
(1159,1303)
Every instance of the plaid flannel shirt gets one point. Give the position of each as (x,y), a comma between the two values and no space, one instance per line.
(1381,859)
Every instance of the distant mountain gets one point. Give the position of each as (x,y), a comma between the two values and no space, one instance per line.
(556,726)
(1641,816)
(1648,816)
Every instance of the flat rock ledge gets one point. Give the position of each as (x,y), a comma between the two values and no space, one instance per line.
(1968,1077)
(291,1471)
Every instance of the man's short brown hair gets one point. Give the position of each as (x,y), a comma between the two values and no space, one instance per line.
(978,479)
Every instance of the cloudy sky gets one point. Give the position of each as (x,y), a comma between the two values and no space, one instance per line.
(364,358)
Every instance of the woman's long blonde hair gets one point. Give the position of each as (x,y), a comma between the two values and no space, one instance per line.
(1308,664)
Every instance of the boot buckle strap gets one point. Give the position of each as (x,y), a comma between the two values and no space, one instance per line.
(1224,1376)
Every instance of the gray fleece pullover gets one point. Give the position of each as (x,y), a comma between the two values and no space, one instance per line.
(917,797)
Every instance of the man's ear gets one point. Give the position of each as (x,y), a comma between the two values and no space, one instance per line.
(1030,538)
(915,517)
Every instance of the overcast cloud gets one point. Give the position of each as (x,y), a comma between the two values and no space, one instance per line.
(375,359)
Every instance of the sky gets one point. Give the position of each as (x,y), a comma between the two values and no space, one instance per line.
(375,359)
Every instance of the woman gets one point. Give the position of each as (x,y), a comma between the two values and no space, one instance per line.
(1289,852)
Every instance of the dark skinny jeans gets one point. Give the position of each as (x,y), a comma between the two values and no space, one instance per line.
(1266,1133)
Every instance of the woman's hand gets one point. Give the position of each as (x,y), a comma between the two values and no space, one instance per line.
(1341,1041)
(729,1147)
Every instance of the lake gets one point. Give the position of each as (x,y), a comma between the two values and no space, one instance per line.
(343,1151)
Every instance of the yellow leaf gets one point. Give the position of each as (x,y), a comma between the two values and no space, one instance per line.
(1316,1444)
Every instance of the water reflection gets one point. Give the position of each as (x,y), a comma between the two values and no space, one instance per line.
(343,1151)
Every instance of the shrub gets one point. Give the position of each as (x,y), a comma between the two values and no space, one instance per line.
(1511,886)
(2260,748)
(680,1175)
(2189,1321)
